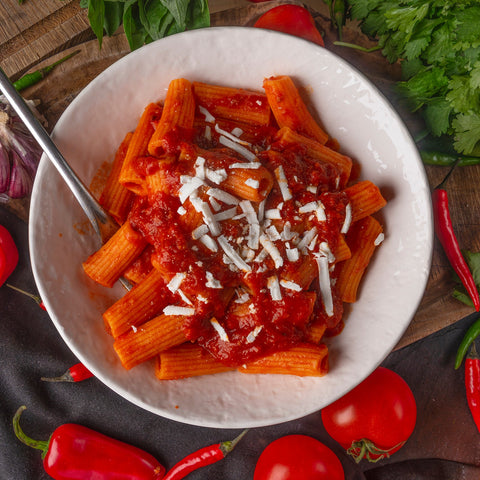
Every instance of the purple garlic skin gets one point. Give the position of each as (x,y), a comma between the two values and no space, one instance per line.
(19,155)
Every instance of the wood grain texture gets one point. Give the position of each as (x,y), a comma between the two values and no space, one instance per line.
(59,27)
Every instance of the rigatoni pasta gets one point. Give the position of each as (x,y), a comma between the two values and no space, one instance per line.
(244,235)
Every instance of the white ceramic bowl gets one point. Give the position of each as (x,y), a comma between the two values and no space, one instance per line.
(353,111)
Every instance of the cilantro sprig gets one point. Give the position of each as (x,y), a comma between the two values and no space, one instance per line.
(145,20)
(438,45)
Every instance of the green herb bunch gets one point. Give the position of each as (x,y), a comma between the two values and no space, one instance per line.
(438,45)
(145,20)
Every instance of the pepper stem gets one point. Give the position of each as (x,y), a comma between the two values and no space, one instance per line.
(452,168)
(229,445)
(28,294)
(38,444)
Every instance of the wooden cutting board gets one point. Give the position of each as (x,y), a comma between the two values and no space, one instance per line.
(41,31)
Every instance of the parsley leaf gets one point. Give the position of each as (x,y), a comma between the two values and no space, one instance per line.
(437,44)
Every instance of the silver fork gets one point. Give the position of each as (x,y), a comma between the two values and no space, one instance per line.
(103,224)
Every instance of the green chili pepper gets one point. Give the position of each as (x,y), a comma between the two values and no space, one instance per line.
(447,159)
(34,77)
(472,333)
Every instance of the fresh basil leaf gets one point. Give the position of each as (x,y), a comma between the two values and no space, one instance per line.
(473,261)
(134,30)
(155,18)
(198,15)
(178,8)
(113,17)
(96,17)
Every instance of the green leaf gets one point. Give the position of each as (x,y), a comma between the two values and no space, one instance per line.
(134,30)
(96,17)
(437,116)
(466,132)
(178,9)
(198,15)
(468,25)
(473,262)
(155,18)
(113,16)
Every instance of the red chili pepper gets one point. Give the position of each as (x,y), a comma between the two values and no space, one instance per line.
(8,254)
(77,452)
(446,235)
(201,458)
(75,373)
(291,19)
(472,384)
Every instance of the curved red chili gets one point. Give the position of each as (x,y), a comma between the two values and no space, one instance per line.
(472,384)
(77,452)
(8,254)
(201,458)
(76,373)
(446,235)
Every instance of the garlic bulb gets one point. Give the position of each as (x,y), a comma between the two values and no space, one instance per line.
(19,154)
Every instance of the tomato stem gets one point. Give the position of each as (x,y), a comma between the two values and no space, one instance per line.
(365,448)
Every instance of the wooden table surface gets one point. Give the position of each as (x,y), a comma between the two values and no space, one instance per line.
(40,31)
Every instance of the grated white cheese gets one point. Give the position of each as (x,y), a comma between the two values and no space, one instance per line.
(274,287)
(176,310)
(324,250)
(208,116)
(289,285)
(312,189)
(249,211)
(293,254)
(254,333)
(199,232)
(214,204)
(174,284)
(223,196)
(181,210)
(246,165)
(282,183)
(245,152)
(348,219)
(219,329)
(208,132)
(226,214)
(272,233)
(233,255)
(209,242)
(379,239)
(200,168)
(189,186)
(242,297)
(216,176)
(230,136)
(273,214)
(272,250)
(212,282)
(203,208)
(324,284)
(237,131)
(308,236)
(252,182)
(253,236)
(184,297)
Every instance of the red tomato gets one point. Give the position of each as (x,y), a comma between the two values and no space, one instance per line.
(291,19)
(374,419)
(298,457)
(8,255)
